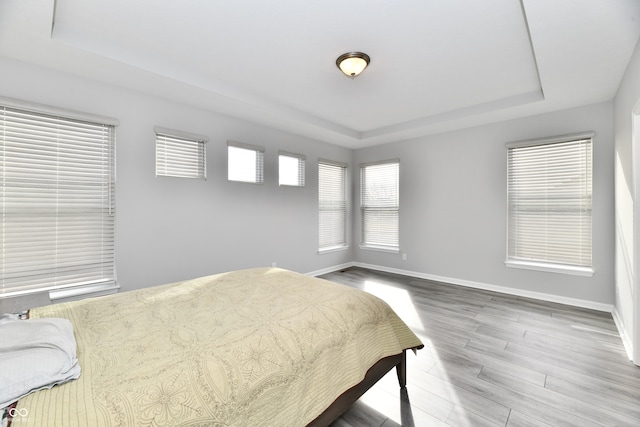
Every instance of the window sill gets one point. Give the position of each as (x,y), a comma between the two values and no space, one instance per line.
(80,292)
(333,249)
(389,249)
(551,268)
(239,181)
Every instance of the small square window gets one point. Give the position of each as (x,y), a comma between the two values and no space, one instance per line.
(180,154)
(245,163)
(291,169)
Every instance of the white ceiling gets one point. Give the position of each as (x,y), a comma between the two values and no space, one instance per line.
(436,65)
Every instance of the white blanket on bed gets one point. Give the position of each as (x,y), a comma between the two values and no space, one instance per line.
(35,354)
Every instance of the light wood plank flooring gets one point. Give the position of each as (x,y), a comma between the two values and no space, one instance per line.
(497,360)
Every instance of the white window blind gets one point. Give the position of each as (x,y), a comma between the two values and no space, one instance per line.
(380,204)
(180,154)
(245,162)
(332,205)
(549,199)
(57,190)
(291,168)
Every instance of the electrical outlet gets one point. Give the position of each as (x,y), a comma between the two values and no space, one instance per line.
(273,264)
(404,257)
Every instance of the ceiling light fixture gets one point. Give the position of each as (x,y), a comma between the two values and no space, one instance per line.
(353,63)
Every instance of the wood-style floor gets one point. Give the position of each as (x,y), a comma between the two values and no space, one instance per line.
(497,360)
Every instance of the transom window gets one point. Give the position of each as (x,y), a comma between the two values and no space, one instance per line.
(291,169)
(245,162)
(180,154)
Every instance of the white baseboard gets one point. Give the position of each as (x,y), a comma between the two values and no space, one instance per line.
(330,269)
(495,288)
(626,341)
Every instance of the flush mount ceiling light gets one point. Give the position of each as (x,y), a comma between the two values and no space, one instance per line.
(353,63)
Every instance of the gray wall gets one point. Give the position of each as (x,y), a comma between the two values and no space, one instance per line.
(453,195)
(169,229)
(453,206)
(627,300)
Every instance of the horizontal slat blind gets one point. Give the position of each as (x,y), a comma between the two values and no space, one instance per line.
(332,205)
(291,169)
(179,155)
(380,204)
(57,192)
(549,198)
(245,162)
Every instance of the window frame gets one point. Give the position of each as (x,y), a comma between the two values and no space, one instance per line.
(182,143)
(56,283)
(301,169)
(549,264)
(394,209)
(258,166)
(344,170)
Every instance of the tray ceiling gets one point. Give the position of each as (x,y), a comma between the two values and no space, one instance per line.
(435,65)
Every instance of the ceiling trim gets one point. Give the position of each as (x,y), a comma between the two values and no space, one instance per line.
(533,50)
(473,110)
(53,17)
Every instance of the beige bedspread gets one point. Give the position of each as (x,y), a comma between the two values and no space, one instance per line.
(258,347)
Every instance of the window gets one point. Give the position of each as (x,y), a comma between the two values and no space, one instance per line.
(57,188)
(332,205)
(549,201)
(245,162)
(379,204)
(291,169)
(180,154)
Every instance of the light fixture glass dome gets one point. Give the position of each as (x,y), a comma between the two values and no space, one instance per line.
(353,63)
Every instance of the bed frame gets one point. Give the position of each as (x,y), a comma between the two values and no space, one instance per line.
(374,374)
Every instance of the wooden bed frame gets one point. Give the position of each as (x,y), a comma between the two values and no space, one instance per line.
(374,374)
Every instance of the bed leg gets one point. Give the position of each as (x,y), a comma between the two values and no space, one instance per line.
(401,370)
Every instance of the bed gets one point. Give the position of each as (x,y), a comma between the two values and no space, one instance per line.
(262,346)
